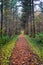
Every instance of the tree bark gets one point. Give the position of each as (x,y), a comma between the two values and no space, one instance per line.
(1,16)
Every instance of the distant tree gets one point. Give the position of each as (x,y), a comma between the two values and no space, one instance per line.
(28,16)
(26,12)
(6,14)
(39,23)
(9,10)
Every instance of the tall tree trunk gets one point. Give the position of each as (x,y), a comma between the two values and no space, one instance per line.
(5,24)
(30,26)
(31,13)
(33,19)
(1,16)
(13,21)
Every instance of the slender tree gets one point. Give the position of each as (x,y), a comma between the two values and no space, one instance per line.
(1,16)
(33,19)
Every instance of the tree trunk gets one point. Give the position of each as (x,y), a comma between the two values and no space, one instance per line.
(33,19)
(1,16)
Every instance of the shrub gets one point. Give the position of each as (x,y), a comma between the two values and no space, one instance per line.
(39,38)
(4,39)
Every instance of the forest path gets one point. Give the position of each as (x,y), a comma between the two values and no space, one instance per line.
(22,54)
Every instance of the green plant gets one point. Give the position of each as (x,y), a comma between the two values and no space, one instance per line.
(39,38)
(4,39)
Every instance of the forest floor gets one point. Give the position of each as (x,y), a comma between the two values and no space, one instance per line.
(22,54)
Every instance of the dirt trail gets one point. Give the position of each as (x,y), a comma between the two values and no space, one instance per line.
(22,54)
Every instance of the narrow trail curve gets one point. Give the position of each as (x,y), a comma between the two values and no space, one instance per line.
(22,54)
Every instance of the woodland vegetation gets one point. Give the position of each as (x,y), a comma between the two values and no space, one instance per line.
(11,24)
